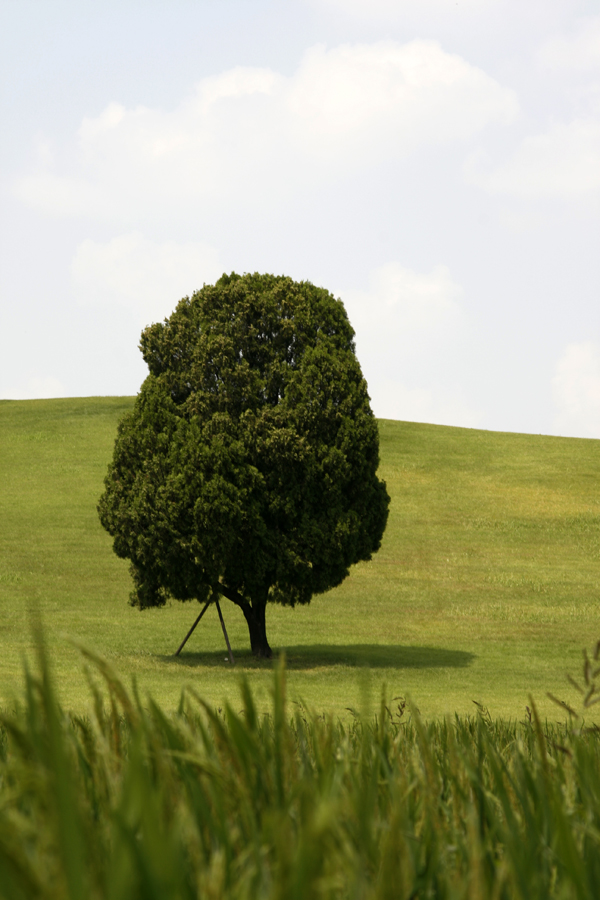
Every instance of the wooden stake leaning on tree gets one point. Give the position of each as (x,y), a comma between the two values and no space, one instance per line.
(231,659)
(189,634)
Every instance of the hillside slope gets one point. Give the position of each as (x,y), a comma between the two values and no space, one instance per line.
(486,586)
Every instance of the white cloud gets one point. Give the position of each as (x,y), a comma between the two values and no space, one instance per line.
(112,116)
(35,388)
(576,388)
(579,51)
(404,308)
(61,195)
(251,134)
(238,82)
(386,99)
(439,406)
(564,162)
(409,325)
(148,277)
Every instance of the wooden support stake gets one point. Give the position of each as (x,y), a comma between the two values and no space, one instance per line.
(231,659)
(185,640)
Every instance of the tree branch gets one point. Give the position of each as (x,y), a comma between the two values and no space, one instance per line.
(232,595)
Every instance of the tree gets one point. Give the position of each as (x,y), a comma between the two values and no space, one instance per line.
(247,467)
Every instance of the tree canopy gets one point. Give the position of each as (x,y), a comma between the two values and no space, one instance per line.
(247,467)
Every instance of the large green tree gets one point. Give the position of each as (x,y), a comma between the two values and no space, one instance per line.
(247,467)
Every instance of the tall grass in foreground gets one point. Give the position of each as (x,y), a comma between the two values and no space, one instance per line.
(133,803)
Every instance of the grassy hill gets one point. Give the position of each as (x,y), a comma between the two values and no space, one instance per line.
(486,587)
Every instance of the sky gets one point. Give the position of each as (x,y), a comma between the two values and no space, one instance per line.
(433,163)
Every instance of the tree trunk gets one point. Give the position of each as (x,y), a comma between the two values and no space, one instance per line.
(254,614)
(255,617)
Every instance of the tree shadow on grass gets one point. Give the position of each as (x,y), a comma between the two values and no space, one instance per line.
(316,656)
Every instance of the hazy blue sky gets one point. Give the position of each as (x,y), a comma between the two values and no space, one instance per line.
(434,163)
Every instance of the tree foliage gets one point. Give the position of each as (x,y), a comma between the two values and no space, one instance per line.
(247,467)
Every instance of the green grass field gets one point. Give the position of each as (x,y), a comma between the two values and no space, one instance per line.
(486,587)
(130,803)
